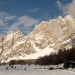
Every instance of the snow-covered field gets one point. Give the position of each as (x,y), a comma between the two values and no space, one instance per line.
(33,70)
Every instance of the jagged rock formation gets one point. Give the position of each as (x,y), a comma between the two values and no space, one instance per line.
(56,34)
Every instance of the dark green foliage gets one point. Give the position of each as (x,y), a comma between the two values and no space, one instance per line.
(13,62)
(22,62)
(61,57)
(69,64)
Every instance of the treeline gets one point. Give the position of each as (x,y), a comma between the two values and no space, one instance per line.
(61,57)
(22,62)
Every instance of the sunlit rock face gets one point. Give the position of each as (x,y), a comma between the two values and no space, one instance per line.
(53,32)
(57,34)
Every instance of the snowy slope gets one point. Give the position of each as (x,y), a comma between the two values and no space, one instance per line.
(34,70)
(36,55)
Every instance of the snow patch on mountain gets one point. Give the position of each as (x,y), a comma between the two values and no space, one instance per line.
(36,55)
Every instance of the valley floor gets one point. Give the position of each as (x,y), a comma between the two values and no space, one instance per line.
(33,70)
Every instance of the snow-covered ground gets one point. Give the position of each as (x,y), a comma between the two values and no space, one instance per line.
(33,70)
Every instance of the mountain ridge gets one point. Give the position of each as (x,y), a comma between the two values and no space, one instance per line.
(47,37)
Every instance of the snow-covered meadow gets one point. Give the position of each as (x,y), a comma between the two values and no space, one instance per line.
(34,70)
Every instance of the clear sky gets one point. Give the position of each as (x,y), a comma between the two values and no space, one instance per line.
(25,14)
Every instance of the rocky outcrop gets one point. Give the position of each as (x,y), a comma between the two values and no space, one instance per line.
(56,33)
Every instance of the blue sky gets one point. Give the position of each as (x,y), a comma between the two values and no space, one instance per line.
(25,14)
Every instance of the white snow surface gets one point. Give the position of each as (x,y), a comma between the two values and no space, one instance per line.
(8,37)
(40,53)
(33,70)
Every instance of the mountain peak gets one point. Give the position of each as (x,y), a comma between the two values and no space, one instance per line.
(50,35)
(18,30)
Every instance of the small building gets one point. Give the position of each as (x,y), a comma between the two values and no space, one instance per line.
(69,64)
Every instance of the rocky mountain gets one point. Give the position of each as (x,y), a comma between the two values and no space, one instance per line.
(47,37)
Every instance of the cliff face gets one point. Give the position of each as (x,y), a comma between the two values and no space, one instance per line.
(54,34)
